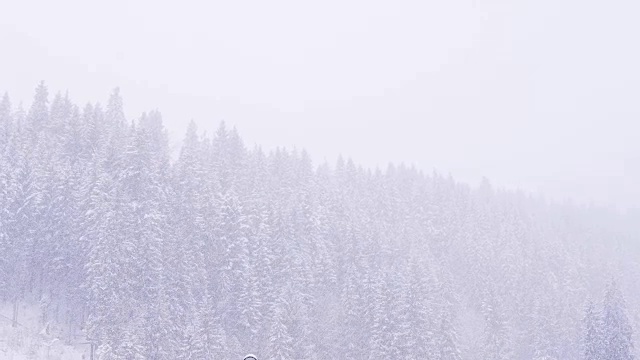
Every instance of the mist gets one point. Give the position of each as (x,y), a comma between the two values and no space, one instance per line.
(533,96)
(359,179)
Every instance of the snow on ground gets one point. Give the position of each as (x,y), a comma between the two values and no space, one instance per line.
(30,340)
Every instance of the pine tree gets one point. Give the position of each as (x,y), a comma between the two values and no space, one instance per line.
(618,334)
(594,342)
(38,116)
(6,123)
(280,340)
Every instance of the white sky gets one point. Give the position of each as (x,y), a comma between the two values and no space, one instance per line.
(542,95)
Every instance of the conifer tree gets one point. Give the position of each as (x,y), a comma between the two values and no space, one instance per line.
(594,342)
(618,334)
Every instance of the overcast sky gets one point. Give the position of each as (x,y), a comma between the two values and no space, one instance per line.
(540,95)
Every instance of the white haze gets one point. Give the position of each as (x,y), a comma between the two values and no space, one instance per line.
(538,95)
(119,242)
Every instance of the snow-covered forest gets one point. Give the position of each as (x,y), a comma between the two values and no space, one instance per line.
(222,250)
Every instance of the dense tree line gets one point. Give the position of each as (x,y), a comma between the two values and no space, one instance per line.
(226,250)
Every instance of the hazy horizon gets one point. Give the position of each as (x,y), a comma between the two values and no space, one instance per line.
(531,96)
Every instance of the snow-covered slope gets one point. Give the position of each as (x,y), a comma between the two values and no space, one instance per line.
(31,340)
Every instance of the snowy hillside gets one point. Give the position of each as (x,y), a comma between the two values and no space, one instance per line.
(29,340)
(228,250)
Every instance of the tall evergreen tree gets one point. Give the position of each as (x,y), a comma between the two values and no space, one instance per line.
(618,335)
(594,341)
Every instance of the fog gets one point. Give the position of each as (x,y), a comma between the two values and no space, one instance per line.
(269,220)
(534,95)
